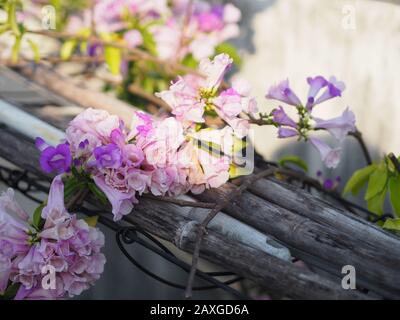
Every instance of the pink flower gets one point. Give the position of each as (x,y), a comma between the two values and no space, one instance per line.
(161,180)
(8,203)
(90,129)
(241,86)
(121,202)
(209,21)
(182,97)
(215,70)
(62,243)
(132,155)
(231,13)
(55,210)
(138,180)
(331,157)
(133,38)
(160,148)
(167,38)
(142,125)
(229,104)
(216,170)
(203,46)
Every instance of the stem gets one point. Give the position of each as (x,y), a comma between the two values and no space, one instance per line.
(138,91)
(172,67)
(395,161)
(77,199)
(358,136)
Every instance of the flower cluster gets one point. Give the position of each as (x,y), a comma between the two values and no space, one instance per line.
(191,97)
(170,156)
(177,28)
(156,157)
(320,90)
(57,240)
(206,28)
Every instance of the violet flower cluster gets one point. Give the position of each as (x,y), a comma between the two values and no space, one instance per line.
(161,157)
(320,90)
(60,241)
(175,34)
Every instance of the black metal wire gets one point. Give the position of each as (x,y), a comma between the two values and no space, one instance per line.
(29,184)
(128,235)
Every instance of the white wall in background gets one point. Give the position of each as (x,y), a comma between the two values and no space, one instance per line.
(298,38)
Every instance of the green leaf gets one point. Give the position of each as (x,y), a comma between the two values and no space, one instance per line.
(394,189)
(67,49)
(190,62)
(37,220)
(375,204)
(11,291)
(12,19)
(92,221)
(72,185)
(15,49)
(97,193)
(149,42)
(358,180)
(4,28)
(377,182)
(113,59)
(392,224)
(291,159)
(35,50)
(231,51)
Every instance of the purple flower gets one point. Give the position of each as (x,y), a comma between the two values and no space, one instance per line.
(55,208)
(57,159)
(287,133)
(122,203)
(331,157)
(328,184)
(316,84)
(94,49)
(68,244)
(108,156)
(283,93)
(280,117)
(334,88)
(338,127)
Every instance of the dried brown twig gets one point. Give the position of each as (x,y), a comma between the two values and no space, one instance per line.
(170,66)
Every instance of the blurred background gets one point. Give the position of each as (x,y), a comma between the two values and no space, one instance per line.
(356,41)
